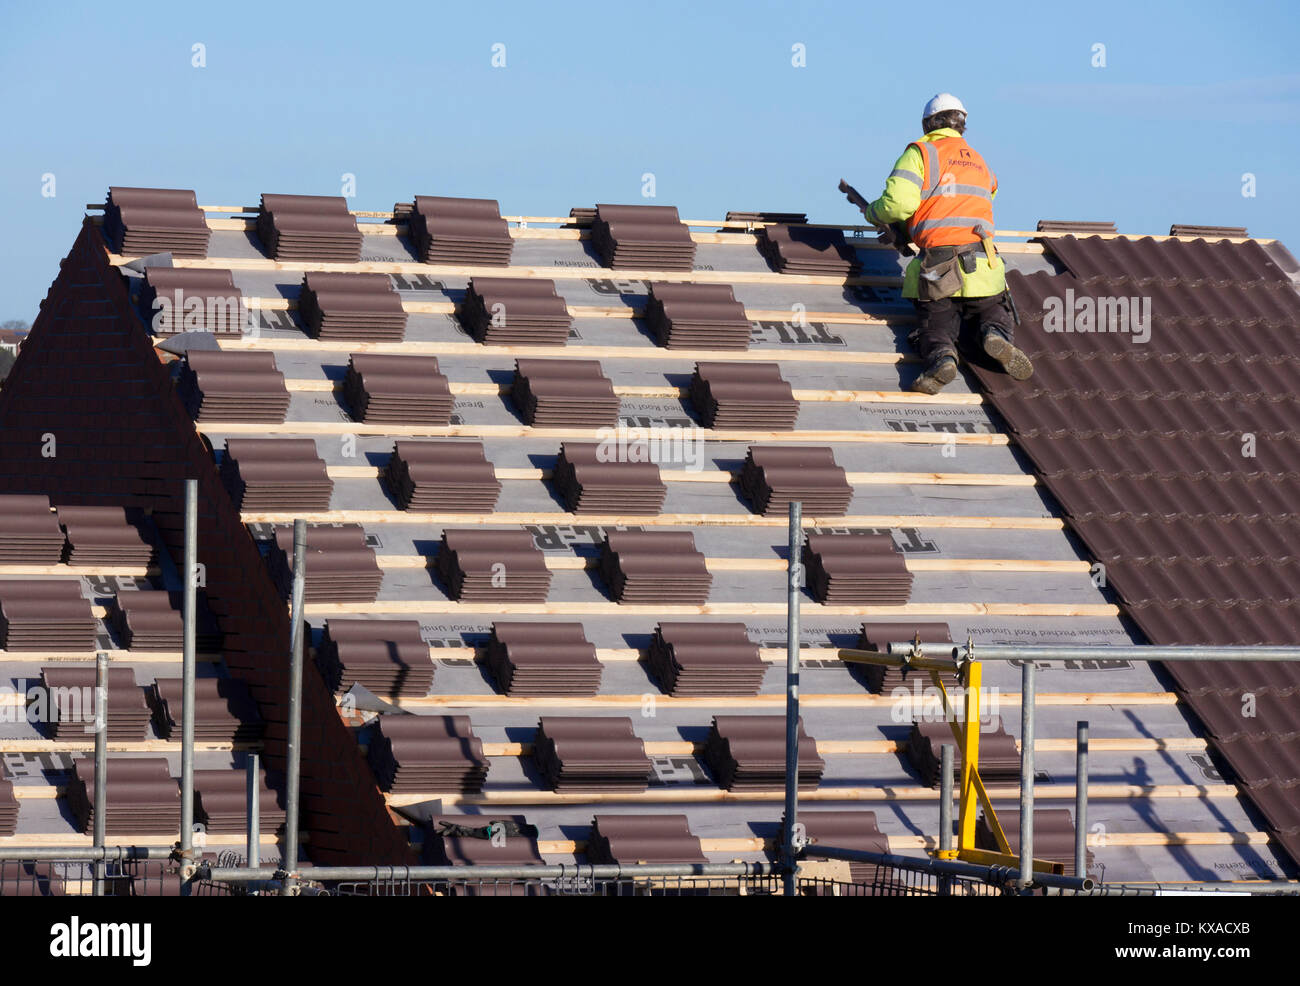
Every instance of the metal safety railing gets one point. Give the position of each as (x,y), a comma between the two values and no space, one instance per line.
(877,875)
(142,871)
(150,871)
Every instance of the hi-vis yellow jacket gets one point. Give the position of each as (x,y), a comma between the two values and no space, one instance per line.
(901,199)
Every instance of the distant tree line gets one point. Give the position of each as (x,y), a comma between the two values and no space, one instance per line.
(6,357)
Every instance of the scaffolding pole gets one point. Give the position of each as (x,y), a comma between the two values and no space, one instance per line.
(294,746)
(1046,653)
(460,874)
(254,811)
(101,765)
(188,620)
(1026,775)
(1081,798)
(794,584)
(945,810)
(81,853)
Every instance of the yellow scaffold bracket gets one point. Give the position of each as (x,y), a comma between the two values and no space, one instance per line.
(966,735)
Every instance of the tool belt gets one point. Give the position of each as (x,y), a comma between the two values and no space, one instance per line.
(941,268)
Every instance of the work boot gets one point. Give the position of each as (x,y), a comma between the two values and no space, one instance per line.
(940,371)
(1014,362)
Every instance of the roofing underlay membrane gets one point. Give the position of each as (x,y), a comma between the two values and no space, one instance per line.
(635,670)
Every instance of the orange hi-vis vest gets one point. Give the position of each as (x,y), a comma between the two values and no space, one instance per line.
(956,195)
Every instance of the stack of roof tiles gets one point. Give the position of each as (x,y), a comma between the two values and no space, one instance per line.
(696,316)
(1143,445)
(103,536)
(150,620)
(592,478)
(8,804)
(1053,835)
(743,395)
(550,393)
(224,710)
(351,306)
(1208,232)
(775,475)
(140,221)
(29,532)
(232,386)
(643,839)
(141,796)
(409,390)
(514,311)
(387,657)
(1075,226)
(581,216)
(543,659)
(856,570)
(426,753)
(705,659)
(45,615)
(275,474)
(492,567)
(591,754)
(734,216)
(649,237)
(221,802)
(70,698)
(654,567)
(340,566)
(999,759)
(446,476)
(747,753)
(147,621)
(460,231)
(878,636)
(804,250)
(846,830)
(309,227)
(191,299)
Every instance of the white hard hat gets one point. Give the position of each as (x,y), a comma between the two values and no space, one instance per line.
(943,101)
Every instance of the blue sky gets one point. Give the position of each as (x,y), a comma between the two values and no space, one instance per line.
(592,96)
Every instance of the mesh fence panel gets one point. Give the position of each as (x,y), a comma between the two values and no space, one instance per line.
(888,882)
(159,878)
(121,877)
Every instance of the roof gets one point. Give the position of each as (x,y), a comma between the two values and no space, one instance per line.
(977,543)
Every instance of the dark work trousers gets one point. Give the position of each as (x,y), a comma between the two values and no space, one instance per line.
(939,323)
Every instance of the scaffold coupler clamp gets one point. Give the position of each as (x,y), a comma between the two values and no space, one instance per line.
(184,859)
(965,658)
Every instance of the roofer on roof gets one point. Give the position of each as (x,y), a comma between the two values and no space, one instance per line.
(942,189)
